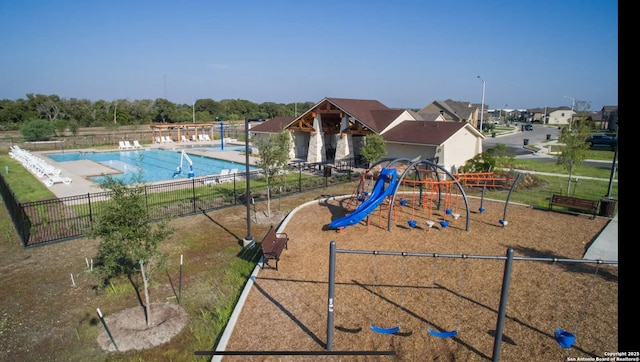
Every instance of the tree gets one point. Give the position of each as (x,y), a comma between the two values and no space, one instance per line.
(38,130)
(61,126)
(274,157)
(575,148)
(375,147)
(129,239)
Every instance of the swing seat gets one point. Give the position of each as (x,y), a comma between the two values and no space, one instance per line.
(391,330)
(481,210)
(445,334)
(503,222)
(412,223)
(444,223)
(448,211)
(403,202)
(564,338)
(430,222)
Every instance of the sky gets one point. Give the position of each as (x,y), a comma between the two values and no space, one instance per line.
(404,54)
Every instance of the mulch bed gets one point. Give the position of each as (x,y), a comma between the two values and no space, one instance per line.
(286,310)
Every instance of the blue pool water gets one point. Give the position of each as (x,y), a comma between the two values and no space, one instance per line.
(155,165)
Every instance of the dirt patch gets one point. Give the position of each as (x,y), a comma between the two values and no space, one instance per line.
(130,331)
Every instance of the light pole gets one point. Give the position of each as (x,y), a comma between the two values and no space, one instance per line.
(573,103)
(482,104)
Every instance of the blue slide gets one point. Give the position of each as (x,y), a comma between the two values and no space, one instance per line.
(377,196)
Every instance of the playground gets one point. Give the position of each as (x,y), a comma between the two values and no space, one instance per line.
(436,308)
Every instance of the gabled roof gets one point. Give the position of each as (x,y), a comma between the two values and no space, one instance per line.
(457,110)
(274,125)
(423,132)
(373,114)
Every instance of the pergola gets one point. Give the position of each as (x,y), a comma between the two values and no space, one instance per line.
(189,130)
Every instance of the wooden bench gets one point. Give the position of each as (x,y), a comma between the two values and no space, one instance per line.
(575,203)
(272,246)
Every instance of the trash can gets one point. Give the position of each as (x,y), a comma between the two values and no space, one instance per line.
(493,135)
(327,170)
(548,136)
(526,141)
(607,207)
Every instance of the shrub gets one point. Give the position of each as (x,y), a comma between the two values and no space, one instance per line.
(37,130)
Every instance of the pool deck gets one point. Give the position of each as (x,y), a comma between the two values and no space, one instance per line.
(80,171)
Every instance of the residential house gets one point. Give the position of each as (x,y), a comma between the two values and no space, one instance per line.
(610,117)
(456,111)
(560,116)
(335,129)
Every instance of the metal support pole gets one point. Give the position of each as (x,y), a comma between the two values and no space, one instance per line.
(222,134)
(248,240)
(502,311)
(104,324)
(613,165)
(331,294)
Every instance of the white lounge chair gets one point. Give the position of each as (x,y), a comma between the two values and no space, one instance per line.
(194,138)
(206,137)
(210,182)
(200,137)
(158,139)
(127,145)
(224,175)
(122,145)
(57,179)
(233,171)
(184,138)
(136,144)
(169,140)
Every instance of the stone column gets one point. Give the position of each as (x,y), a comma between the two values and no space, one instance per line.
(344,147)
(316,143)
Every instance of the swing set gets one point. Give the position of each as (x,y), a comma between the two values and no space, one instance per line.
(563,337)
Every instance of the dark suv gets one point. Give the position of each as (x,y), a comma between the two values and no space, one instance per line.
(528,127)
(601,140)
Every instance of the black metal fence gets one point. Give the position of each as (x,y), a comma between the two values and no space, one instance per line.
(90,140)
(48,221)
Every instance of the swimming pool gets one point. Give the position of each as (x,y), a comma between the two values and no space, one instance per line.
(154,165)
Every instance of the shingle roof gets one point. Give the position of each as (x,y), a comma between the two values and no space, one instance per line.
(423,132)
(274,125)
(363,111)
(458,110)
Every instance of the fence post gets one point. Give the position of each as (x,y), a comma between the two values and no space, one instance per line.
(193,192)
(90,211)
(235,191)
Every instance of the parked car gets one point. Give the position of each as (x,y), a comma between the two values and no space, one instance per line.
(601,140)
(528,127)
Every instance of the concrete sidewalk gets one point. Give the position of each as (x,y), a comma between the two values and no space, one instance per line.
(605,246)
